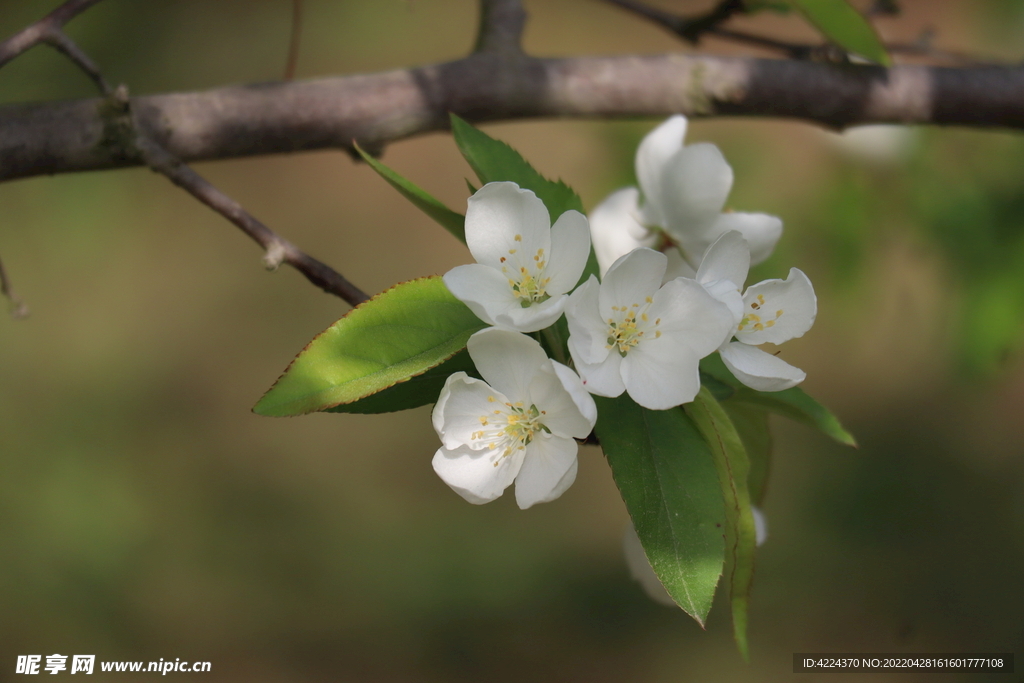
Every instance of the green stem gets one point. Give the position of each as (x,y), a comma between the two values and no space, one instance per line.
(556,345)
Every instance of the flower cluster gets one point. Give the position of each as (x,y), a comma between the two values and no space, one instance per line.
(684,191)
(641,329)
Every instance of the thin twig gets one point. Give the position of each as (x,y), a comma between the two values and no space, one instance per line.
(278,250)
(119,115)
(293,44)
(70,49)
(791,50)
(692,29)
(688,28)
(43,30)
(18,308)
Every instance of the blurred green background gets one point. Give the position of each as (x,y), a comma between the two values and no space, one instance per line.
(146,513)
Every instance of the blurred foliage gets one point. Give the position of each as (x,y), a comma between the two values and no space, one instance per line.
(145,513)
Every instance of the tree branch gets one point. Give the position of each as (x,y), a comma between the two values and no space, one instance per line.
(278,250)
(501,27)
(43,30)
(294,41)
(693,28)
(689,29)
(123,128)
(60,137)
(70,49)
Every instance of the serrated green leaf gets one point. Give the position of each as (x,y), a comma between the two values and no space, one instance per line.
(668,481)
(495,161)
(792,403)
(730,458)
(417,391)
(451,221)
(395,336)
(751,423)
(844,26)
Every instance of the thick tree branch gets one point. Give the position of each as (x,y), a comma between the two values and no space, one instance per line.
(375,109)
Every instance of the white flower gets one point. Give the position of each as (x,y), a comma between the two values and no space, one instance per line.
(615,227)
(684,190)
(517,424)
(524,265)
(642,572)
(627,334)
(773,311)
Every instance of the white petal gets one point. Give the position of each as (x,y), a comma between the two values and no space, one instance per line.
(660,374)
(534,317)
(482,288)
(760,525)
(727,259)
(437,414)
(542,477)
(497,213)
(506,360)
(569,411)
(601,379)
(615,227)
(759,370)
(677,266)
(570,247)
(573,384)
(477,476)
(729,294)
(640,568)
(695,185)
(652,157)
(778,310)
(588,333)
(759,229)
(464,400)
(631,279)
(690,316)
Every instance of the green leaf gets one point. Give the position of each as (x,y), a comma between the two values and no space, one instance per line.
(494,161)
(730,458)
(844,26)
(670,486)
(395,336)
(450,220)
(415,392)
(751,423)
(718,388)
(792,403)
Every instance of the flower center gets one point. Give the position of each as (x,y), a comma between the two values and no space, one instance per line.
(511,427)
(755,320)
(630,326)
(526,276)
